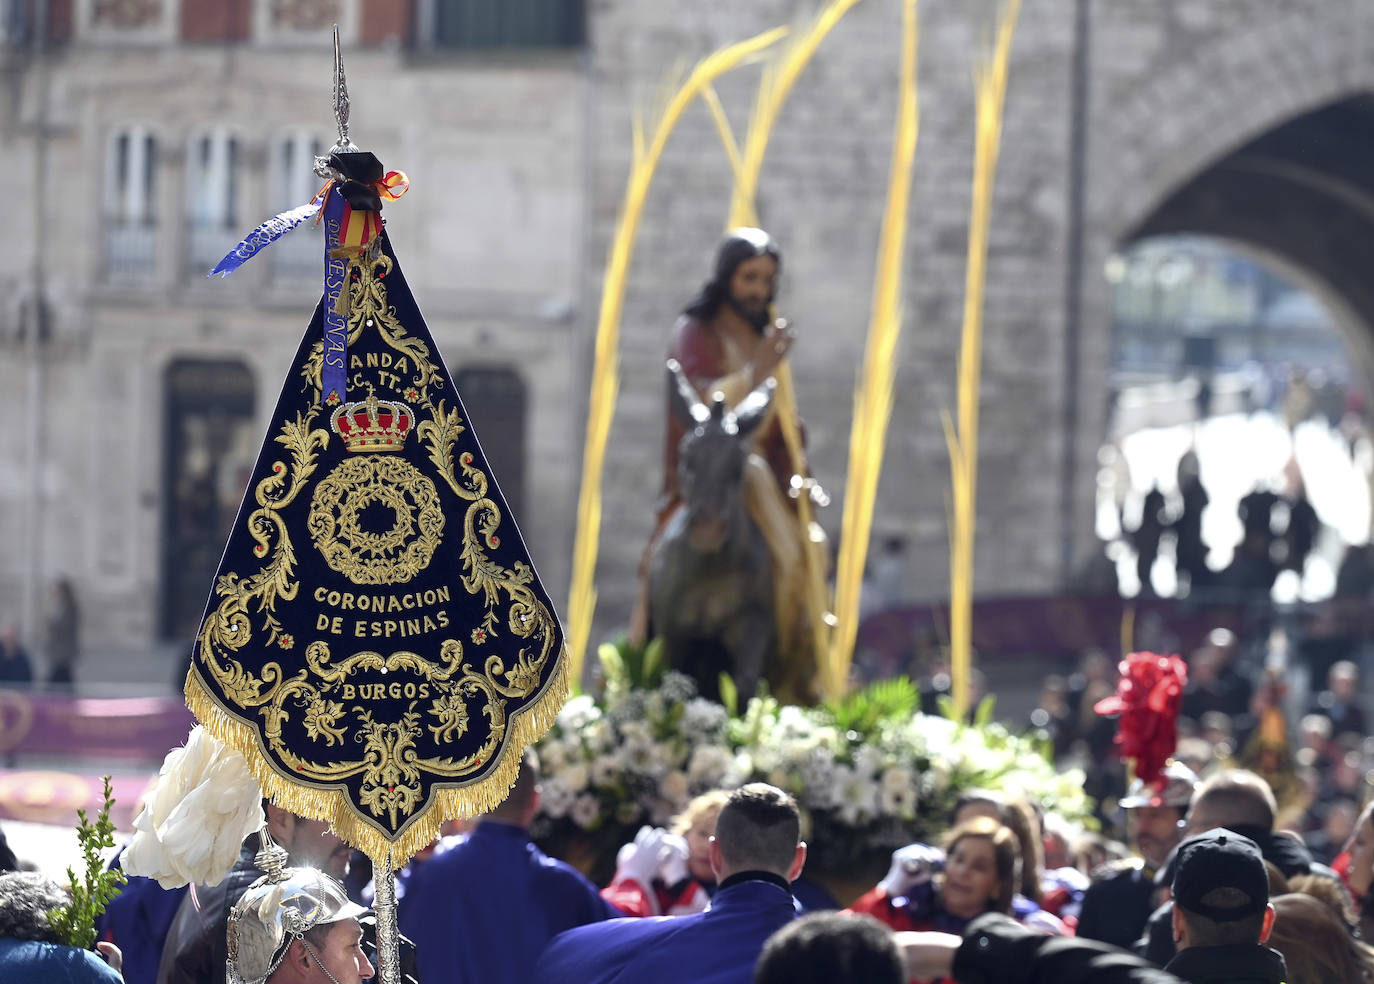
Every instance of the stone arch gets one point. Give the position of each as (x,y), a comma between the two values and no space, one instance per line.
(1214,98)
(1301,196)
(1261,137)
(1154,129)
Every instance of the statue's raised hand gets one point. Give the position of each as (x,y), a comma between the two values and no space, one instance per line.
(772,349)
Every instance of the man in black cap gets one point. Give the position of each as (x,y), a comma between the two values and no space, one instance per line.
(1240,801)
(1119,901)
(1222,914)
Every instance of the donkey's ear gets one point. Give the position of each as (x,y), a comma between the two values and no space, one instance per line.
(753,409)
(683,399)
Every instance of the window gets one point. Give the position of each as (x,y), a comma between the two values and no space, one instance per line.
(497,24)
(130,195)
(495,402)
(212,185)
(300,253)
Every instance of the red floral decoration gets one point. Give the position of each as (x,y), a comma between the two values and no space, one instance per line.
(1148,697)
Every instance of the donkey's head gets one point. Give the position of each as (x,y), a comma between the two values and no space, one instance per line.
(713,453)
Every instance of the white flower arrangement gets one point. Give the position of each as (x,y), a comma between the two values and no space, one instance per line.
(871,775)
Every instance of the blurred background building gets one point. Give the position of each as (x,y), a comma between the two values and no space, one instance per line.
(1182,229)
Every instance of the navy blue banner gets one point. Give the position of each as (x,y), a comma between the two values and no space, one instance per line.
(377,642)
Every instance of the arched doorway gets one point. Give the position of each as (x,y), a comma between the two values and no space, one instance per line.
(1288,206)
(210,443)
(495,398)
(1237,459)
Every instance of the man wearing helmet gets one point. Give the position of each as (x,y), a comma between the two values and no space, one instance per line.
(726,342)
(1119,901)
(194,949)
(296,926)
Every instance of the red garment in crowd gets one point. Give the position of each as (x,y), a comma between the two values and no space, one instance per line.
(903,918)
(631,897)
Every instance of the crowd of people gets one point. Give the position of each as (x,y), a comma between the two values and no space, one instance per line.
(1299,724)
(1278,533)
(1213,889)
(1251,853)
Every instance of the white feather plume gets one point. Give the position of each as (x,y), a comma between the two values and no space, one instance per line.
(205,803)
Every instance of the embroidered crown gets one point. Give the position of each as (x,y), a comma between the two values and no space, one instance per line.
(373,424)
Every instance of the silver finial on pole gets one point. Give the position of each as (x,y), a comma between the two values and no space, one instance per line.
(340,100)
(344,145)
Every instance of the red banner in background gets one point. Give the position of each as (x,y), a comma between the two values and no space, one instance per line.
(138,730)
(78,740)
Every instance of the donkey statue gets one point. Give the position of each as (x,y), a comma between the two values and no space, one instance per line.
(710,576)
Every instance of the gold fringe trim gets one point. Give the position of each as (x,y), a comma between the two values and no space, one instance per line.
(525,727)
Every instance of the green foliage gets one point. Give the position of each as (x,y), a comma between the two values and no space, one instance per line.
(982,714)
(729,694)
(627,667)
(74,923)
(612,667)
(884,700)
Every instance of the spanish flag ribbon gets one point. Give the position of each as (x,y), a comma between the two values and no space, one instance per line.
(359,226)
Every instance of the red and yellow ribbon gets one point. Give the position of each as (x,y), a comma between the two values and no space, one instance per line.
(359,227)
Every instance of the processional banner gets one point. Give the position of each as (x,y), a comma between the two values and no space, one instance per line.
(377,643)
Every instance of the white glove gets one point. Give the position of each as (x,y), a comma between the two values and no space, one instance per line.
(912,866)
(651,855)
(672,860)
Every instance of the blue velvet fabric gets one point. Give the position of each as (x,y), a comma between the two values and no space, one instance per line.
(481,911)
(136,920)
(718,946)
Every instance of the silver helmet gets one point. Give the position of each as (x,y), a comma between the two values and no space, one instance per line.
(281,906)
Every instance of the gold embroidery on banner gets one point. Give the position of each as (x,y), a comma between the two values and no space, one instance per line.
(228,628)
(450,693)
(391,765)
(441,433)
(393,556)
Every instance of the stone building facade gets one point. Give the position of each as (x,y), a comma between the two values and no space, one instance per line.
(150,133)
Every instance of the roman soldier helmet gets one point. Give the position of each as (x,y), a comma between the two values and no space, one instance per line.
(281,906)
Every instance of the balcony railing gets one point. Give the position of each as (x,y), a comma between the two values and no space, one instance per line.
(130,248)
